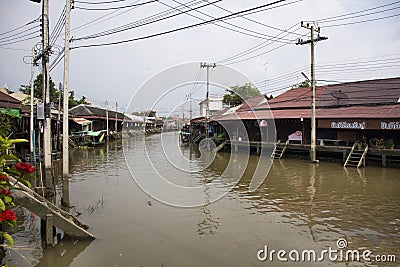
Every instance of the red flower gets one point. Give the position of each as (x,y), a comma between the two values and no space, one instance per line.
(25,168)
(4,178)
(8,215)
(5,192)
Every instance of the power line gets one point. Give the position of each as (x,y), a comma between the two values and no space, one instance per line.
(58,28)
(352,13)
(26,24)
(185,27)
(98,19)
(100,2)
(362,15)
(149,20)
(254,21)
(113,8)
(19,41)
(231,24)
(363,21)
(253,49)
(19,33)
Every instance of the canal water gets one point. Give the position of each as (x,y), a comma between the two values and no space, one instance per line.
(300,206)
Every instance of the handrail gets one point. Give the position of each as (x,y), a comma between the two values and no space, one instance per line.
(362,160)
(349,156)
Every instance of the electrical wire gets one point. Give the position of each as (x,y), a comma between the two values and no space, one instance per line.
(140,23)
(231,24)
(184,27)
(20,27)
(363,21)
(20,41)
(352,13)
(254,21)
(253,49)
(113,8)
(99,20)
(58,28)
(100,2)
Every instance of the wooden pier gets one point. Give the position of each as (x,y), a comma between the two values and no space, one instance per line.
(50,213)
(381,157)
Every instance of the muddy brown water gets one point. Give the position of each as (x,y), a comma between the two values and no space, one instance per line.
(300,206)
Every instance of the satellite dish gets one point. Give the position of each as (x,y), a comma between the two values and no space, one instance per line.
(339,95)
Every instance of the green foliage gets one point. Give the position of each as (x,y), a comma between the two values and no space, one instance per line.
(72,102)
(149,113)
(8,238)
(304,84)
(20,171)
(38,89)
(54,92)
(237,94)
(5,125)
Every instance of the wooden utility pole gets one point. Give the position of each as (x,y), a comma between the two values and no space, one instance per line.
(312,41)
(65,150)
(207,66)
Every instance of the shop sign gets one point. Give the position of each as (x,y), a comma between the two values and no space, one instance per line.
(393,125)
(348,125)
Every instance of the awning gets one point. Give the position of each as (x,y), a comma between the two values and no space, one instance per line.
(11,112)
(81,121)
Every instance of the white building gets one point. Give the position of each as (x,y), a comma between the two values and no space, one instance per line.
(215,104)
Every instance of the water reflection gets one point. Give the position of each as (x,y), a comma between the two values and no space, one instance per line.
(299,205)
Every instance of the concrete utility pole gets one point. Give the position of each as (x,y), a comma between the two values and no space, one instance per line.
(208,66)
(313,115)
(107,117)
(31,128)
(65,150)
(116,117)
(46,93)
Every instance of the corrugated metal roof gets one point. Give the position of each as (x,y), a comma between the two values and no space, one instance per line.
(383,91)
(362,112)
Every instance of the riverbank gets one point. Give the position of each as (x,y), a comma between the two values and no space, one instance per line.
(374,157)
(298,206)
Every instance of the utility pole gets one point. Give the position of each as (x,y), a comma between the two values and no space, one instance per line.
(208,66)
(116,117)
(46,93)
(65,153)
(107,117)
(190,117)
(59,118)
(31,128)
(313,115)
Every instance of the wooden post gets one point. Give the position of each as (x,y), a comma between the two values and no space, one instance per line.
(384,162)
(344,157)
(49,230)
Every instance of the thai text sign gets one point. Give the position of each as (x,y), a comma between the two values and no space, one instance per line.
(394,125)
(348,125)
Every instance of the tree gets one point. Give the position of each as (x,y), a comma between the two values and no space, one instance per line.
(38,89)
(237,94)
(38,92)
(150,113)
(5,125)
(304,84)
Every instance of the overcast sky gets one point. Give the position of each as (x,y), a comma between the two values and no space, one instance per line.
(354,51)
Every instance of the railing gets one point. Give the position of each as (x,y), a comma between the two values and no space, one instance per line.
(362,160)
(349,156)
